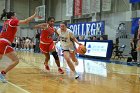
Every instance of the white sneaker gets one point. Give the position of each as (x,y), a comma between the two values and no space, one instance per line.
(76,76)
(2,78)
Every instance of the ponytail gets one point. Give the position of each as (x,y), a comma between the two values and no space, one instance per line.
(3,14)
(7,14)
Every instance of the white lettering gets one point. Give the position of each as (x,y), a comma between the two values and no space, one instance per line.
(98,29)
(75,29)
(82,29)
(71,27)
(93,29)
(78,31)
(87,28)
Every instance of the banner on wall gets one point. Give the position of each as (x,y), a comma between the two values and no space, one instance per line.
(69,7)
(95,6)
(77,7)
(106,5)
(134,1)
(134,25)
(95,28)
(86,7)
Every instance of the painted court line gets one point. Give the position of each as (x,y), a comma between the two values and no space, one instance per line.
(18,87)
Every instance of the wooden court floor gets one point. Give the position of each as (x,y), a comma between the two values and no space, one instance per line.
(95,77)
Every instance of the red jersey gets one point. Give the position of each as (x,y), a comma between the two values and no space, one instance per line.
(9,29)
(47,35)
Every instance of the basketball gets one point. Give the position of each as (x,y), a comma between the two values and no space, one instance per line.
(81,49)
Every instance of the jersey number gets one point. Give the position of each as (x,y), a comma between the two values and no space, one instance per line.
(5,28)
(64,40)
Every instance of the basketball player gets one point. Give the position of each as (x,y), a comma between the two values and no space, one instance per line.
(47,44)
(137,41)
(67,40)
(138,47)
(7,36)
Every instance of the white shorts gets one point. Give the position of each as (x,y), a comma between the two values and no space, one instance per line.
(68,48)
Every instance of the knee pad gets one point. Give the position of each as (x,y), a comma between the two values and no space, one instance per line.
(55,55)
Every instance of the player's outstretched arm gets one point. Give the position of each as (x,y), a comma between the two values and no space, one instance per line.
(75,40)
(41,26)
(27,20)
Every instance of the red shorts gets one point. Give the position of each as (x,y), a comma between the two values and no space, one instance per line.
(5,47)
(46,48)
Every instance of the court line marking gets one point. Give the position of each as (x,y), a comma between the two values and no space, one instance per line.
(18,87)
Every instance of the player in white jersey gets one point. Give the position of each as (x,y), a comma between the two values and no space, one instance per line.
(67,40)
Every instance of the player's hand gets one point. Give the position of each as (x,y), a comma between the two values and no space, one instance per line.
(45,26)
(79,44)
(35,13)
(55,42)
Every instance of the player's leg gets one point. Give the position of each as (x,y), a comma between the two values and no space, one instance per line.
(45,50)
(32,46)
(47,58)
(28,46)
(73,57)
(55,55)
(70,64)
(12,55)
(73,54)
(6,49)
(57,61)
(2,75)
(15,60)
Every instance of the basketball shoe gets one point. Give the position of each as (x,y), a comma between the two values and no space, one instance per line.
(2,78)
(60,70)
(47,67)
(76,75)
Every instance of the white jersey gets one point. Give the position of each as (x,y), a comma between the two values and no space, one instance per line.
(66,38)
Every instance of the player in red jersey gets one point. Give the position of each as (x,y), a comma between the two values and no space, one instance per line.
(7,35)
(46,42)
